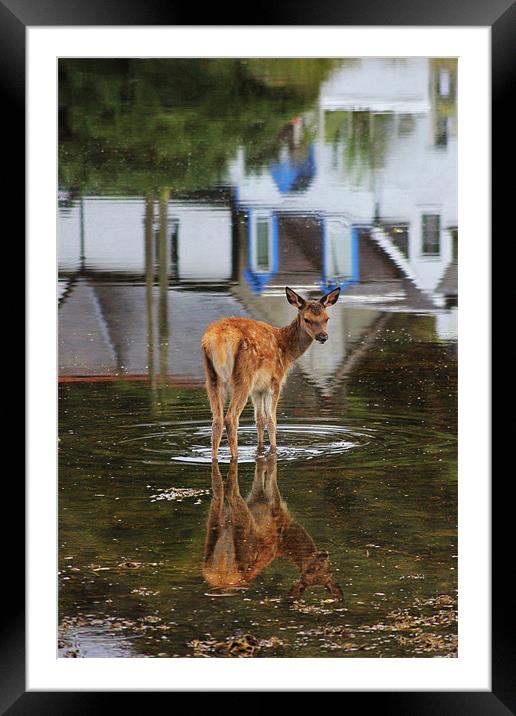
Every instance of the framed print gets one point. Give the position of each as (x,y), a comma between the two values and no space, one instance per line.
(254,469)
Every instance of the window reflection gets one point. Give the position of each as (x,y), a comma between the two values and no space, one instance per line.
(431,229)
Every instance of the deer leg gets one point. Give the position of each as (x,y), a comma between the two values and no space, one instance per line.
(232,488)
(257,491)
(239,506)
(270,404)
(215,390)
(215,516)
(271,483)
(241,390)
(217,484)
(245,538)
(259,416)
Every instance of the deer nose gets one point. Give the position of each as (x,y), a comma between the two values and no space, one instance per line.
(321,337)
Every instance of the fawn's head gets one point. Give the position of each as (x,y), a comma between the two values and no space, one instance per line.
(316,572)
(313,317)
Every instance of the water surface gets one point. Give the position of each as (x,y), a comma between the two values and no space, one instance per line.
(194,190)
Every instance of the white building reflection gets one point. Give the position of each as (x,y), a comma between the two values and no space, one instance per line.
(378,159)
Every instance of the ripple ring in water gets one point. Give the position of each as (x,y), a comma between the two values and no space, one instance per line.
(297,441)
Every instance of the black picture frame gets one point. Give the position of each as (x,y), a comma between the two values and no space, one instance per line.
(500,16)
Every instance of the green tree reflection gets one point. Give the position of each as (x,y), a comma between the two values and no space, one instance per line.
(135,125)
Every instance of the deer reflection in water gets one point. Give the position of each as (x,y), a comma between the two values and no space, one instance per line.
(245,535)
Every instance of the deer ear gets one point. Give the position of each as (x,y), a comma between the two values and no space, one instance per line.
(330,298)
(334,589)
(296,589)
(294,299)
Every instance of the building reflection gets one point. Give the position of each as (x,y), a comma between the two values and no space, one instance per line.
(362,194)
(379,165)
(245,535)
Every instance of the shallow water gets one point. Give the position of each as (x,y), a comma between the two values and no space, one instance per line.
(316,195)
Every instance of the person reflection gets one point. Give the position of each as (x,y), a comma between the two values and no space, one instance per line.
(244,536)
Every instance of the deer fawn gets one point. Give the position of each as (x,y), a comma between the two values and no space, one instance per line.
(252,358)
(243,536)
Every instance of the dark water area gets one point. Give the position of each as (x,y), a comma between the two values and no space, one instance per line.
(193,190)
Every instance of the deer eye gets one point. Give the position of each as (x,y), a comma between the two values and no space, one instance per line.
(308,321)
